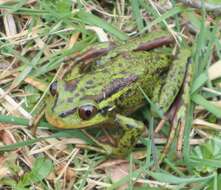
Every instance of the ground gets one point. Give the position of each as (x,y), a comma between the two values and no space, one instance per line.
(37,38)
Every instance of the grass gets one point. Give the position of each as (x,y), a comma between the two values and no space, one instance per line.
(37,37)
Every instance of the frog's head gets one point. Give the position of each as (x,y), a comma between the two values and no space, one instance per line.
(66,108)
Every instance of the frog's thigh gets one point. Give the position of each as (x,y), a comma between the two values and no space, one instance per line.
(132,130)
(174,80)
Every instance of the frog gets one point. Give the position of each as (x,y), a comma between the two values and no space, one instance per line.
(112,85)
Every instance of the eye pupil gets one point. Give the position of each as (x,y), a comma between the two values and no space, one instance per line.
(87,111)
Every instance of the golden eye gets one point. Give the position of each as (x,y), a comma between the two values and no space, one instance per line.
(87,111)
(53,88)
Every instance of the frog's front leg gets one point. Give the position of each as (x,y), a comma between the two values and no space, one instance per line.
(132,130)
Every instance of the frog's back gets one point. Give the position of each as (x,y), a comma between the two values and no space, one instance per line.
(118,81)
(148,70)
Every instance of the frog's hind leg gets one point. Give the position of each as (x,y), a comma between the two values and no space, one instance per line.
(173,130)
(180,80)
(177,127)
(174,80)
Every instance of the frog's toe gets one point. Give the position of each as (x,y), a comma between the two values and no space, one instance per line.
(129,123)
(108,149)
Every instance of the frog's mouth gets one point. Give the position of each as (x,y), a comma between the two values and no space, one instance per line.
(67,113)
(55,121)
(66,123)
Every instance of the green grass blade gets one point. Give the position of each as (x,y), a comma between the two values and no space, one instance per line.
(20,121)
(63,134)
(163,17)
(91,19)
(168,178)
(136,14)
(198,99)
(40,170)
(199,82)
(26,70)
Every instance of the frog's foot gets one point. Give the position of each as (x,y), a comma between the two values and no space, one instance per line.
(178,123)
(102,148)
(132,130)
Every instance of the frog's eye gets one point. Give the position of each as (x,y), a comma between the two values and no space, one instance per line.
(53,88)
(87,111)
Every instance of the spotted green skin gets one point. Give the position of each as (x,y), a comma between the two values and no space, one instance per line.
(113,86)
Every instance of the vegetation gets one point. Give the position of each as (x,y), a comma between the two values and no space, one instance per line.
(38,37)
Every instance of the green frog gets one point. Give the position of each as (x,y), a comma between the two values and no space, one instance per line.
(104,88)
